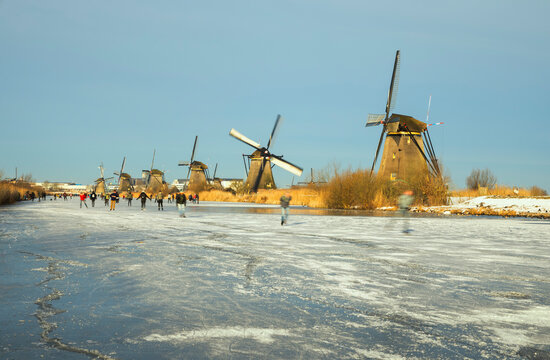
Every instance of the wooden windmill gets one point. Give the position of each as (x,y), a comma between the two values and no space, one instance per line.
(155,178)
(197,170)
(100,185)
(216,183)
(260,175)
(405,153)
(124,179)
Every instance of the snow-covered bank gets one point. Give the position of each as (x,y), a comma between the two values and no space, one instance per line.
(537,207)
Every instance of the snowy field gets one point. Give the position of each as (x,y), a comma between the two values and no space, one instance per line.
(229,282)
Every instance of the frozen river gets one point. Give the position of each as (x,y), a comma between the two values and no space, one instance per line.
(229,282)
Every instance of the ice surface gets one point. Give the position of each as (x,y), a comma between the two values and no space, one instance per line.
(229,281)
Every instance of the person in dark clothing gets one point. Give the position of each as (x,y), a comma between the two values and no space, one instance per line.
(190,198)
(143,196)
(114,199)
(93,197)
(181,202)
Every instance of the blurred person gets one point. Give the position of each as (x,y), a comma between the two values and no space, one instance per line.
(106,199)
(160,199)
(181,202)
(285,202)
(130,197)
(143,196)
(83,199)
(114,199)
(404,203)
(93,197)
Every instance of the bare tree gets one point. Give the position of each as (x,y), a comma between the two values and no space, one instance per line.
(481,178)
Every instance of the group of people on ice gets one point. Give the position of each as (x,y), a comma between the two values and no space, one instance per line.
(114,198)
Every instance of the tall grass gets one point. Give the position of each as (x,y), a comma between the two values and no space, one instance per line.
(503,191)
(12,192)
(300,196)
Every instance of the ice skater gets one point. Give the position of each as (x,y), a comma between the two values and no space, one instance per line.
(404,202)
(114,199)
(93,197)
(285,202)
(83,200)
(106,199)
(160,199)
(181,203)
(143,196)
(129,198)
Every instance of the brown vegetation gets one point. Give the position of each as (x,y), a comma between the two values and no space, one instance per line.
(11,192)
(501,190)
(345,190)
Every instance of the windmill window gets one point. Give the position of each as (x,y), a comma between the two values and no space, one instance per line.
(393,176)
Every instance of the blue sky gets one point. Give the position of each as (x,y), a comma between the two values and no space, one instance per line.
(88,82)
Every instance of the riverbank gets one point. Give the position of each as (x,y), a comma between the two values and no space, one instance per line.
(492,205)
(533,207)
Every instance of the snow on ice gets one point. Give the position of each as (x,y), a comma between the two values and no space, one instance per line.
(230,281)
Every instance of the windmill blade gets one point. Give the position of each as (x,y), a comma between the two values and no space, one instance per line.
(109,178)
(153,162)
(296,170)
(392,94)
(121,169)
(278,122)
(184,163)
(375,119)
(428,114)
(194,147)
(101,169)
(237,135)
(377,150)
(215,169)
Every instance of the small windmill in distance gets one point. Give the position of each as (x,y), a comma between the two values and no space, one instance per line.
(124,179)
(100,185)
(198,171)
(260,175)
(155,178)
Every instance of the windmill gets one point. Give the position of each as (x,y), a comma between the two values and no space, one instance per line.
(404,152)
(215,182)
(124,179)
(155,178)
(259,174)
(100,187)
(198,171)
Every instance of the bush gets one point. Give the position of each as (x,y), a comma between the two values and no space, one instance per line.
(537,191)
(481,178)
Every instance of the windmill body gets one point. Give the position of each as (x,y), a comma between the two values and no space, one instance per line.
(125,183)
(264,178)
(100,187)
(197,180)
(401,157)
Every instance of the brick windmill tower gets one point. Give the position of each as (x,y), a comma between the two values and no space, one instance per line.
(408,149)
